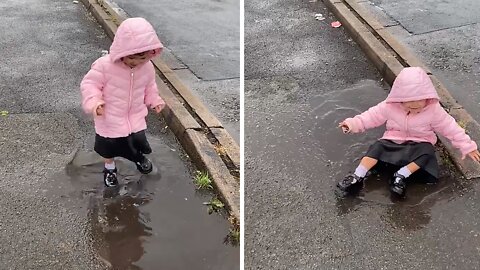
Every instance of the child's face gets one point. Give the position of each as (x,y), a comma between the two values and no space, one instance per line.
(135,59)
(414,106)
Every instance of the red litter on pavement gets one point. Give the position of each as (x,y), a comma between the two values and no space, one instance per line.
(336,24)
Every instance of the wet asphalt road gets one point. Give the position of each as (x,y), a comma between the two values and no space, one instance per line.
(302,78)
(55,213)
(203,47)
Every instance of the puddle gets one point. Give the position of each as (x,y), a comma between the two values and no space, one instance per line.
(333,107)
(344,152)
(155,221)
(412,212)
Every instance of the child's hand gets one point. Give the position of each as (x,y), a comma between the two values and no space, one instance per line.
(158,108)
(475,155)
(100,110)
(344,126)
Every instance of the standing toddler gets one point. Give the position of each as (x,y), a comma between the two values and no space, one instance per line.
(118,90)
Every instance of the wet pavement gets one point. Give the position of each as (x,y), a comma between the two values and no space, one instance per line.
(55,211)
(203,48)
(149,220)
(302,78)
(444,35)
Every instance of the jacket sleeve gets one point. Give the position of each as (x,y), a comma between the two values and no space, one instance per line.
(91,88)
(373,117)
(445,124)
(152,98)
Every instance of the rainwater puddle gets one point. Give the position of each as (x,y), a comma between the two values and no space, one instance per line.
(332,108)
(412,212)
(155,221)
(344,152)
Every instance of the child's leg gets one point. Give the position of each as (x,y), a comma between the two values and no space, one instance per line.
(406,171)
(353,183)
(138,145)
(365,165)
(110,173)
(106,147)
(140,142)
(109,164)
(399,185)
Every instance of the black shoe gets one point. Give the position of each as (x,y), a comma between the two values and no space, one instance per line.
(351,184)
(110,177)
(145,166)
(398,185)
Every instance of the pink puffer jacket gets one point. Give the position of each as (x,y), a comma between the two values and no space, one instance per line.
(410,85)
(125,92)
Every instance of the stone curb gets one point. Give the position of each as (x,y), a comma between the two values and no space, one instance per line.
(203,137)
(390,57)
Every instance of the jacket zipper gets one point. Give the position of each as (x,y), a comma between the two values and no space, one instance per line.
(406,126)
(130,102)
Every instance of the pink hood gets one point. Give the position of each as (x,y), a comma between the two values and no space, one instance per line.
(410,85)
(125,92)
(135,35)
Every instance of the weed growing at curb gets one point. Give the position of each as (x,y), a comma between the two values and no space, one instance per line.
(445,160)
(462,124)
(233,236)
(202,180)
(214,205)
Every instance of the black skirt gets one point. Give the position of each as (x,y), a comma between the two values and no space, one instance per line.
(131,147)
(422,153)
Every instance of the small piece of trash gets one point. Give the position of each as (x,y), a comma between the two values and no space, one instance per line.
(75,2)
(336,24)
(136,204)
(173,150)
(104,52)
(319,17)
(186,199)
(3,113)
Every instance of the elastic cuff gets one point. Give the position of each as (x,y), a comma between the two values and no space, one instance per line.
(162,105)
(351,123)
(96,107)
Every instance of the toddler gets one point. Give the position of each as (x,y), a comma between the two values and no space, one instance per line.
(117,91)
(412,114)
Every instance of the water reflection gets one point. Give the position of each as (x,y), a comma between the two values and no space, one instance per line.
(150,221)
(120,229)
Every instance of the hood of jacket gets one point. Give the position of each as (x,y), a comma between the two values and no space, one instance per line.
(412,84)
(135,35)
